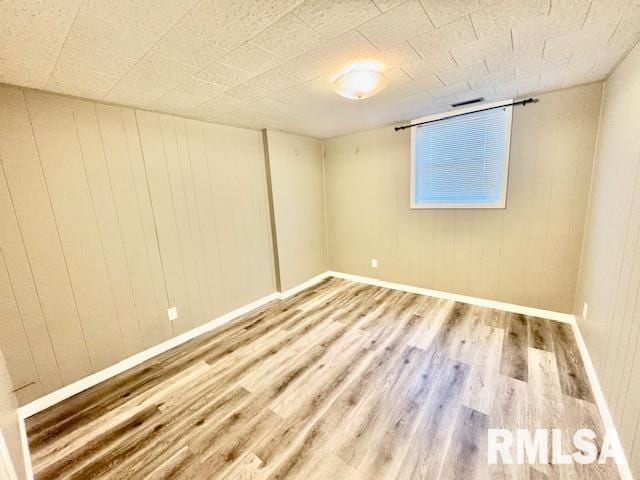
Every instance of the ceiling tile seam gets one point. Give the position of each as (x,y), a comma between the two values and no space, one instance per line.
(407,74)
(313,29)
(355,27)
(367,39)
(424,9)
(586,17)
(622,57)
(226,89)
(415,50)
(287,12)
(204,101)
(276,67)
(55,64)
(316,48)
(615,29)
(248,41)
(568,81)
(453,57)
(469,85)
(221,61)
(378,6)
(440,80)
(473,26)
(160,38)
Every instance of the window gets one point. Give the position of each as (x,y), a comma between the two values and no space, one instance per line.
(463,161)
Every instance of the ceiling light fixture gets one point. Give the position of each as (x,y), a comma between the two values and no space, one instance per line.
(360,80)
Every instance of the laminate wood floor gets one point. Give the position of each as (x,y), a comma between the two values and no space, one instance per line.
(341,381)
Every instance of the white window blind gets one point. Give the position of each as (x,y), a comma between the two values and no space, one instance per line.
(462,162)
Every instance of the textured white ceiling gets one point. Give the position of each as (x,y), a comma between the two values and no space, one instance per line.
(269,63)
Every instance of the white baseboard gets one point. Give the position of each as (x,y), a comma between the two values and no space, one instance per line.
(26,455)
(482,302)
(63,393)
(6,464)
(87,382)
(601,402)
(304,285)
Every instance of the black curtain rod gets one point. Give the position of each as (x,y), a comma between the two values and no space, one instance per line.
(521,102)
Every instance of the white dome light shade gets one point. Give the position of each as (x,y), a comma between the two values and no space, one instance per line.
(361,80)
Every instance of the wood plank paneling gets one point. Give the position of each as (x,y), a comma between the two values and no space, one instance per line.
(526,254)
(110,216)
(238,185)
(25,179)
(13,444)
(195,228)
(149,227)
(106,214)
(297,186)
(140,249)
(183,226)
(610,269)
(26,297)
(223,183)
(56,135)
(205,214)
(325,384)
(153,152)
(16,350)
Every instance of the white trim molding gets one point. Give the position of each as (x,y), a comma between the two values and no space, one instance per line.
(601,402)
(482,302)
(304,285)
(502,202)
(26,454)
(6,464)
(74,388)
(87,382)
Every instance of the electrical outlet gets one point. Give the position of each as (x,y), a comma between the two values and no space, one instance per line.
(374,263)
(173,313)
(585,310)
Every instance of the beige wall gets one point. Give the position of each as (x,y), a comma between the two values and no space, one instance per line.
(526,254)
(11,448)
(297,186)
(610,273)
(109,216)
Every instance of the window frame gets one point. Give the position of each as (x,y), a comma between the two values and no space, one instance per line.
(500,204)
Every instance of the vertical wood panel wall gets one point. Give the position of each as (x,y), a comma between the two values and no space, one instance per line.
(297,188)
(11,447)
(111,215)
(610,271)
(526,254)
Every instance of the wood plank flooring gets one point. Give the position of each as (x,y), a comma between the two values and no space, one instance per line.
(341,381)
